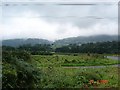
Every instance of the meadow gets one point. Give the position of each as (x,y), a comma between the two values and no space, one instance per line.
(56,75)
(79,77)
(59,60)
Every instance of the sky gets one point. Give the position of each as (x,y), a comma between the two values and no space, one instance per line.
(57,19)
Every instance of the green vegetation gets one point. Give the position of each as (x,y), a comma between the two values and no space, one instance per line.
(22,74)
(71,60)
(41,66)
(55,77)
(17,72)
(99,47)
(47,49)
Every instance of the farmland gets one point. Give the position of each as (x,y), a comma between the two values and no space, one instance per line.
(42,66)
(55,75)
(78,78)
(73,60)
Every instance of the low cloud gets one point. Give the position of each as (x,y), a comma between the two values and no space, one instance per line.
(23,27)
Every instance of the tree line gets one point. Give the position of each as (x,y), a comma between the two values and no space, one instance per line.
(46,49)
(99,47)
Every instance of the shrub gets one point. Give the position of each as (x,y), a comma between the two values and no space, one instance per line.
(17,73)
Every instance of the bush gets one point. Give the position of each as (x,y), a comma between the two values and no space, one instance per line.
(22,55)
(41,53)
(85,77)
(9,76)
(66,61)
(17,73)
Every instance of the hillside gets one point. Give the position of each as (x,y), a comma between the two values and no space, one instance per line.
(18,42)
(81,40)
(61,42)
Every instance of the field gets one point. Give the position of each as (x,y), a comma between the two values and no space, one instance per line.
(20,69)
(79,77)
(58,71)
(72,60)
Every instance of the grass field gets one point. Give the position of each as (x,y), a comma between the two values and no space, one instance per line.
(54,75)
(77,78)
(73,60)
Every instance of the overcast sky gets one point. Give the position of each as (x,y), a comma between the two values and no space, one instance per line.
(58,19)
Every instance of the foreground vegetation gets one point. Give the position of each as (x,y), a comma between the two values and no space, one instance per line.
(46,72)
(55,77)
(40,66)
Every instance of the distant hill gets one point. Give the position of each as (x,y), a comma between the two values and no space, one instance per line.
(66,41)
(81,40)
(18,42)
